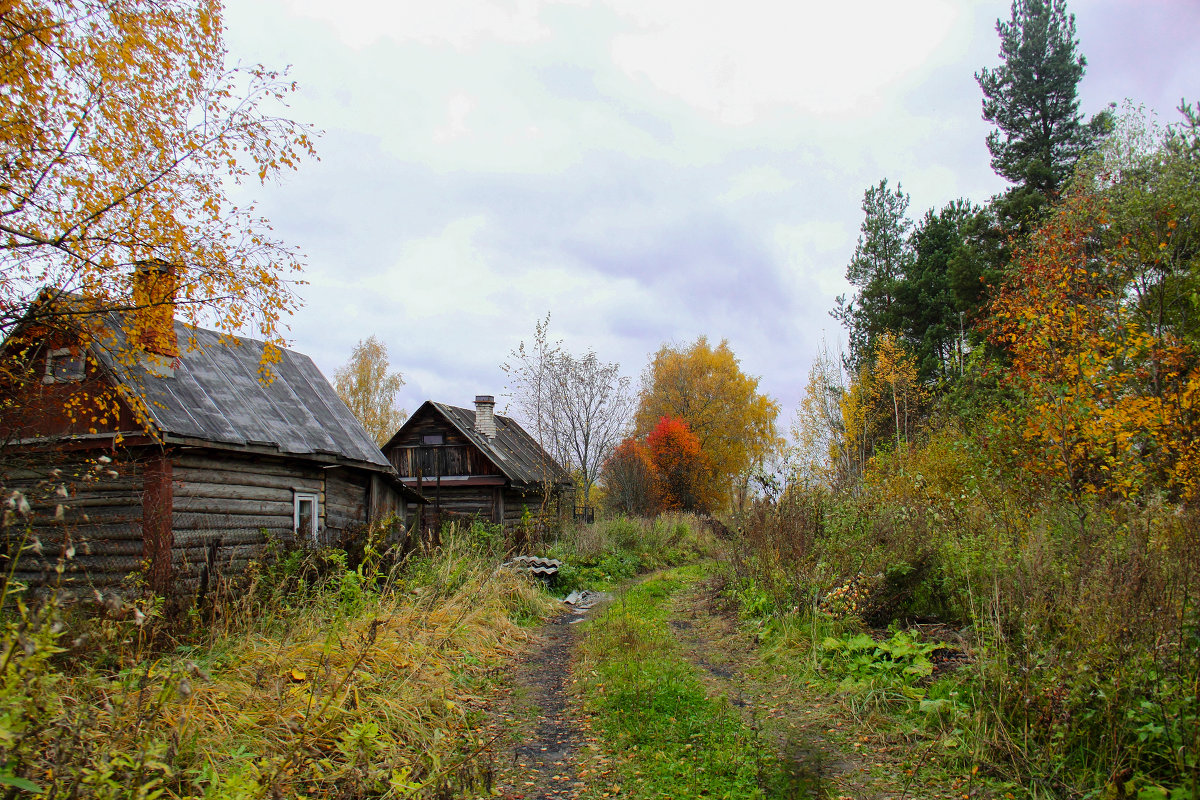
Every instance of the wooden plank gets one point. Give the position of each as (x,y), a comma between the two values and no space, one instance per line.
(207,505)
(304,480)
(230,537)
(217,491)
(200,521)
(211,460)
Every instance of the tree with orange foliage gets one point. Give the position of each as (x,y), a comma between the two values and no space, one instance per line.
(121,132)
(705,387)
(628,478)
(1105,405)
(681,469)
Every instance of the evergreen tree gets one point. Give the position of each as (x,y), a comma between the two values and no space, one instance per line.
(932,321)
(881,260)
(1032,99)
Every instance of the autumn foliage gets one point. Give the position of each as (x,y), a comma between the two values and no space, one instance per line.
(681,469)
(1105,406)
(628,477)
(121,134)
(666,470)
(705,387)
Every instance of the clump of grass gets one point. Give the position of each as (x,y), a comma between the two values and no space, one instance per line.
(348,683)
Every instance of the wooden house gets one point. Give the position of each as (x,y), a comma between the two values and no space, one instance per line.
(178,457)
(477,464)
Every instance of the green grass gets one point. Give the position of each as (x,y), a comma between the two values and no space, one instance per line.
(612,551)
(668,737)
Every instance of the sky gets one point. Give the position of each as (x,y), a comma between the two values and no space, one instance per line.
(644,171)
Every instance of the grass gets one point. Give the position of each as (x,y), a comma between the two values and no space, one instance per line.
(315,681)
(875,698)
(666,736)
(612,551)
(1081,618)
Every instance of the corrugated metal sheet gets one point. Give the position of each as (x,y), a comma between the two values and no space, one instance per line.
(515,452)
(217,395)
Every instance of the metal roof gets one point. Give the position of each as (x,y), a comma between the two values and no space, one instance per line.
(217,394)
(512,450)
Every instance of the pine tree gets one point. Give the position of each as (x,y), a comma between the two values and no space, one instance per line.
(1032,98)
(880,262)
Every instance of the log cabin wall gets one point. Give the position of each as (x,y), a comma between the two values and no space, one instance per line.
(101,521)
(517,501)
(346,501)
(229,510)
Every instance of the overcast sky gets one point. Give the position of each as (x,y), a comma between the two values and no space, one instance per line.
(645,171)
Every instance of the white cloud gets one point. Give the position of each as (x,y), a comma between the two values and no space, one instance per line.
(738,62)
(461,24)
(645,170)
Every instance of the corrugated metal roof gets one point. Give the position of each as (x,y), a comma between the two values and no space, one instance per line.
(515,452)
(217,395)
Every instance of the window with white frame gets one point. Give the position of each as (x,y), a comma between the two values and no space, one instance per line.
(64,365)
(304,515)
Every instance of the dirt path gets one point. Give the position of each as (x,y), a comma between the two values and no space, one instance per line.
(545,748)
(540,747)
(706,625)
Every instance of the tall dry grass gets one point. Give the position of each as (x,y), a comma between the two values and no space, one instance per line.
(314,680)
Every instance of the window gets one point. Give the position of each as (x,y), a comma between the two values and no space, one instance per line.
(64,366)
(304,515)
(431,438)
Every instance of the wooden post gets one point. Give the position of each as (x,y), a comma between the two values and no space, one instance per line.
(157,534)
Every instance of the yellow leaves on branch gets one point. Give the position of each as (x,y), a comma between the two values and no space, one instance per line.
(1107,407)
(120,126)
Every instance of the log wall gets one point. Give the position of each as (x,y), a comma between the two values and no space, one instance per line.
(100,525)
(347,495)
(232,509)
(226,511)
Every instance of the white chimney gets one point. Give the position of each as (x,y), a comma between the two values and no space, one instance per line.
(485,417)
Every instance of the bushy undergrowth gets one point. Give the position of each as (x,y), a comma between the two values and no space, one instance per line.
(314,680)
(610,551)
(1081,617)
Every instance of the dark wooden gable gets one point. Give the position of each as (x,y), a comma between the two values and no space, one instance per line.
(428,446)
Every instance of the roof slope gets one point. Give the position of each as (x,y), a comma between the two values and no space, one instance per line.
(217,395)
(512,450)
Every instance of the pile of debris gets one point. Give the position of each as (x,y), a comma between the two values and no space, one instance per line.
(582,601)
(544,568)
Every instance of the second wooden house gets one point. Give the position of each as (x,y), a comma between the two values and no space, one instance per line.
(476,464)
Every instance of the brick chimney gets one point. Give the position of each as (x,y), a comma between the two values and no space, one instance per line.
(154,315)
(485,417)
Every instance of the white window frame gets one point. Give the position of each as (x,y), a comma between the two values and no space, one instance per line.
(298,499)
(72,377)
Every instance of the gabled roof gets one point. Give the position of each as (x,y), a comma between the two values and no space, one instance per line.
(514,452)
(217,395)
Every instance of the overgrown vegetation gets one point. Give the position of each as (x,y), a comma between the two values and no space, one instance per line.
(315,680)
(614,550)
(1010,449)
(1081,617)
